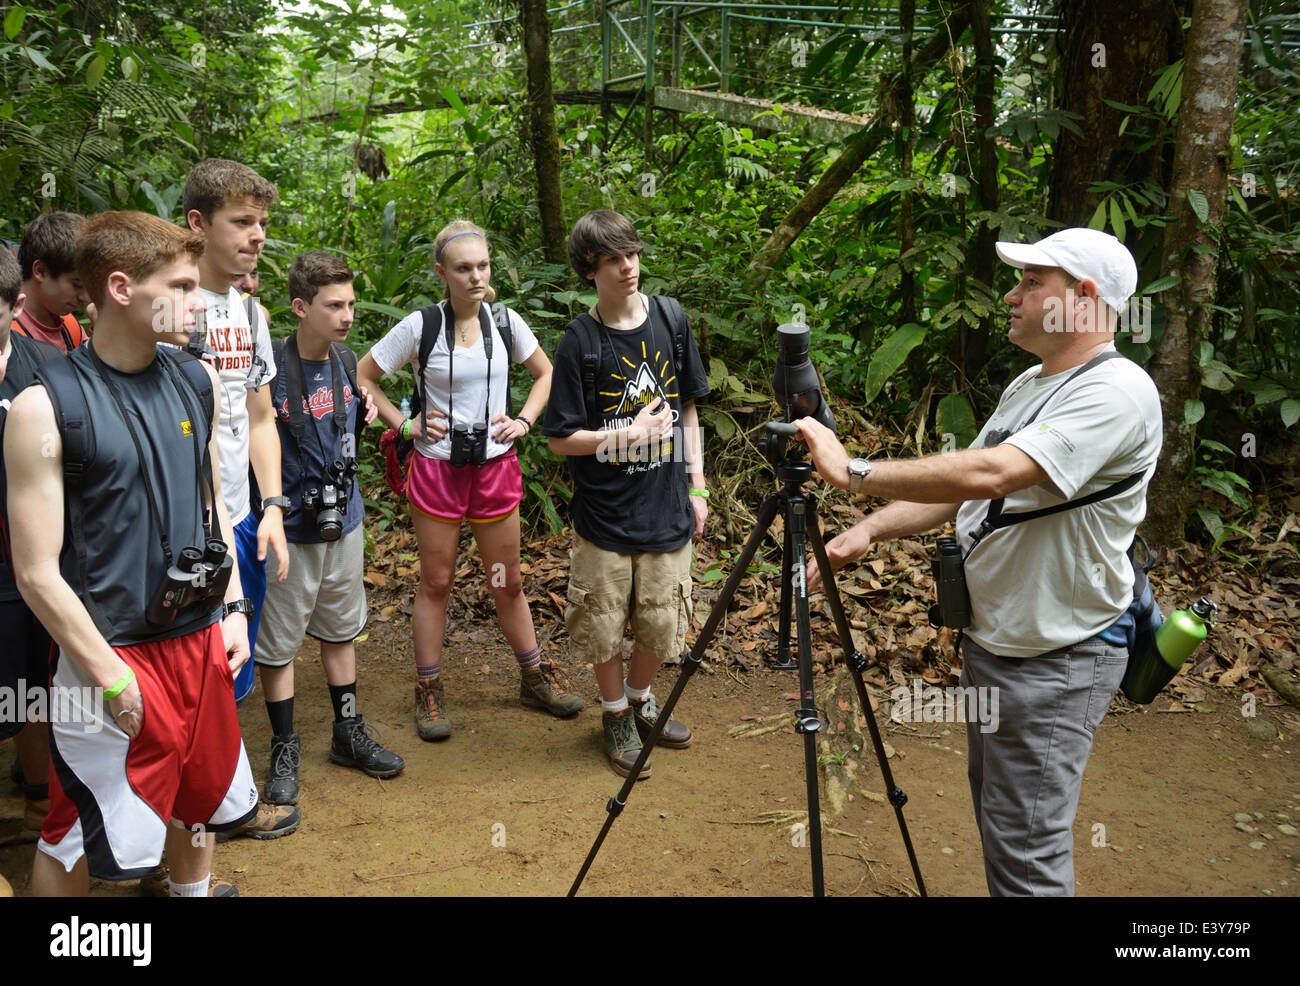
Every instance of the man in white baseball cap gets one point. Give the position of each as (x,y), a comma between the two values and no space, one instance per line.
(1047,500)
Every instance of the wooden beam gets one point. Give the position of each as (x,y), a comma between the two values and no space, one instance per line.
(748,111)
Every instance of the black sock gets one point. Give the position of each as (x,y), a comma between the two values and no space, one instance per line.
(344,698)
(36,792)
(281,714)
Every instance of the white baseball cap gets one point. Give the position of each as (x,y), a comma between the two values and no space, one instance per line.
(1081,253)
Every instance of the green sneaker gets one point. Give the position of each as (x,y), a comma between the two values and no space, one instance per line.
(622,744)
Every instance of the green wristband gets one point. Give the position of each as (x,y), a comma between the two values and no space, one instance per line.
(405,430)
(695,492)
(119,686)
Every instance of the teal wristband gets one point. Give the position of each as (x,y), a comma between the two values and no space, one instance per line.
(119,686)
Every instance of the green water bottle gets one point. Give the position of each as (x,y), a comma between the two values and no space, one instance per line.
(1175,641)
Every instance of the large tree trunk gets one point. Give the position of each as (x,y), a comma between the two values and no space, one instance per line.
(1201,159)
(541,127)
(974,351)
(860,148)
(1110,50)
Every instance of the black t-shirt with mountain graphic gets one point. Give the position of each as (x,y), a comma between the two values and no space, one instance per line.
(627,500)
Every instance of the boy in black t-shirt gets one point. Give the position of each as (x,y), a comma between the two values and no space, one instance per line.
(622,411)
(316,412)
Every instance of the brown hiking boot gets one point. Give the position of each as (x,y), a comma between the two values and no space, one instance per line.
(622,744)
(431,710)
(540,688)
(156,885)
(270,822)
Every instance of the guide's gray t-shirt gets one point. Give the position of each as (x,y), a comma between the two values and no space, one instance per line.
(1055,581)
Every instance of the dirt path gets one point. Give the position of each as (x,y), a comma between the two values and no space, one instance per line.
(512,802)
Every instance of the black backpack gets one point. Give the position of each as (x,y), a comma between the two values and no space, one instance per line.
(592,341)
(39,353)
(72,415)
(433,321)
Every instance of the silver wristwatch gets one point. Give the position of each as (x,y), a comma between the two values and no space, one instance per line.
(859,469)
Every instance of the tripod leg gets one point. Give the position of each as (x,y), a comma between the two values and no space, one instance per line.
(806,721)
(857,663)
(783,660)
(690,664)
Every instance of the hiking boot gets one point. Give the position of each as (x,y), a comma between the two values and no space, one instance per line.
(270,822)
(675,736)
(156,885)
(622,744)
(282,777)
(540,688)
(431,710)
(356,744)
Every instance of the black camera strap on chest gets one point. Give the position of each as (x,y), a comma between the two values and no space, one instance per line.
(995,519)
(433,321)
(206,516)
(593,338)
(485,330)
(288,359)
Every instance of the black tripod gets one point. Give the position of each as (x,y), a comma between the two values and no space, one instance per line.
(799,509)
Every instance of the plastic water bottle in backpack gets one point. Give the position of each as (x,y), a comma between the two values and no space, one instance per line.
(1175,640)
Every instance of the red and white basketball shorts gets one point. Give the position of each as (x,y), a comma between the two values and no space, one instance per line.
(111,795)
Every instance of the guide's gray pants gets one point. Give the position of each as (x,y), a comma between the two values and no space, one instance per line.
(1025,776)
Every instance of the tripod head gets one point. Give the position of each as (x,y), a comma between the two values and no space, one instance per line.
(785,457)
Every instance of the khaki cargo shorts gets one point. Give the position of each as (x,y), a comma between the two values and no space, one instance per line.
(606,589)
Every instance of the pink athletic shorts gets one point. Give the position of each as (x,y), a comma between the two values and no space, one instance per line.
(482,493)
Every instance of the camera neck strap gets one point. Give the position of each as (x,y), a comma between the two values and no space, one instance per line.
(200,473)
(485,331)
(295,383)
(995,519)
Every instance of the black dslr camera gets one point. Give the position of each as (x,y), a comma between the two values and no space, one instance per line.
(199,575)
(469,447)
(328,503)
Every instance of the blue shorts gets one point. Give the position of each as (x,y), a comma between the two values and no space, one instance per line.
(252,576)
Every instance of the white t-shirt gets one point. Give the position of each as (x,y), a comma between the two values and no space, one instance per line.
(402,346)
(1055,581)
(229,348)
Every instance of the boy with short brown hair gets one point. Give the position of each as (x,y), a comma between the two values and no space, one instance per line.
(50,281)
(622,410)
(227,203)
(319,411)
(155,736)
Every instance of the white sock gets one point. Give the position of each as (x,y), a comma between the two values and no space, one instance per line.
(618,705)
(199,889)
(635,694)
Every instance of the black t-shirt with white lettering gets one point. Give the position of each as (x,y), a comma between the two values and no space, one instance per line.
(628,500)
